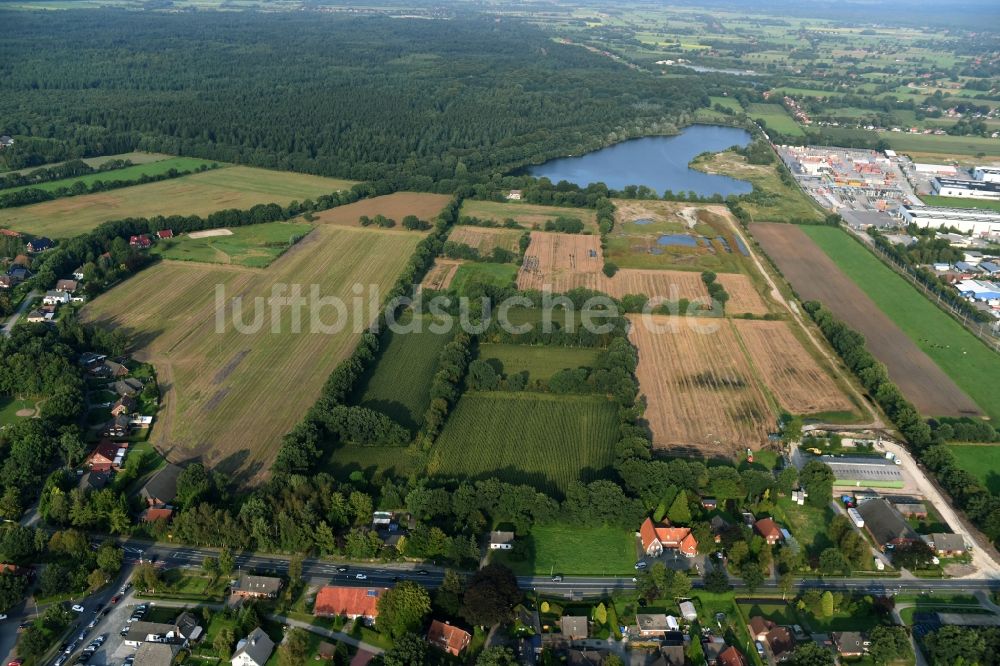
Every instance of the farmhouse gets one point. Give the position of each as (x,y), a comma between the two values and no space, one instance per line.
(165,233)
(106,456)
(254,650)
(767,528)
(451,639)
(501,540)
(256,587)
(886,525)
(947,545)
(39,244)
(141,242)
(657,538)
(349,602)
(162,487)
(574,627)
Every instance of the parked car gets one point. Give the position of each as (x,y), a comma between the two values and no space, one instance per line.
(361,576)
(641,564)
(93,623)
(760,648)
(115,599)
(422,572)
(3,616)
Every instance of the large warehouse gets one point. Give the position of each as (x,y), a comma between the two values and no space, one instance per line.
(864,472)
(968,189)
(967,220)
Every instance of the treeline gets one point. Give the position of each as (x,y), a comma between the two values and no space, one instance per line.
(447,383)
(69,169)
(928,250)
(498,255)
(968,492)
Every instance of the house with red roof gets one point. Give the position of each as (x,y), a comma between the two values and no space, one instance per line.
(731,657)
(447,637)
(349,602)
(153,514)
(102,458)
(165,233)
(141,242)
(657,538)
(767,528)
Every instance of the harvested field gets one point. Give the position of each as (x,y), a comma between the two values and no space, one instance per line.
(485,239)
(441,274)
(531,216)
(700,389)
(567,261)
(197,194)
(816,277)
(795,378)
(395,206)
(230,396)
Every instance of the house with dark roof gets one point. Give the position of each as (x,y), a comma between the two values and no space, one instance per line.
(349,602)
(652,624)
(255,587)
(254,650)
(849,643)
(574,627)
(657,538)
(124,405)
(39,244)
(118,427)
(188,627)
(948,545)
(448,637)
(162,487)
(69,286)
(767,528)
(153,632)
(585,657)
(94,480)
(886,525)
(781,642)
(128,386)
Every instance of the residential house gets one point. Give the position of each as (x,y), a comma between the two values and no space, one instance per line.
(110,369)
(501,540)
(767,528)
(18,273)
(124,405)
(849,643)
(326,651)
(69,286)
(254,650)
(153,632)
(947,545)
(165,233)
(255,587)
(78,274)
(162,487)
(128,386)
(38,316)
(652,624)
(117,427)
(574,627)
(153,514)
(688,611)
(381,519)
(6,141)
(718,525)
(886,525)
(514,195)
(155,654)
(759,627)
(448,637)
(730,657)
(55,298)
(102,458)
(781,642)
(349,602)
(657,538)
(671,650)
(39,244)
(585,657)
(712,648)
(140,242)
(94,480)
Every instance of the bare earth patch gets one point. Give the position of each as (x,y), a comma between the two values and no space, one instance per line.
(441,274)
(208,233)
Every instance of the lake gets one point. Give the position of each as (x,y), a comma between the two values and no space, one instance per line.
(658,162)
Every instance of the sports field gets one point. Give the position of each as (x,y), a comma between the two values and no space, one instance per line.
(231,395)
(540,362)
(528,215)
(128,173)
(256,245)
(959,353)
(399,383)
(815,276)
(197,194)
(544,440)
(982,462)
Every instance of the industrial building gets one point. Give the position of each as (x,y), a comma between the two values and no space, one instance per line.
(967,189)
(967,220)
(987,174)
(864,472)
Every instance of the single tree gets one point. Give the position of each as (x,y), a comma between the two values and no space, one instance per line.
(490,596)
(402,609)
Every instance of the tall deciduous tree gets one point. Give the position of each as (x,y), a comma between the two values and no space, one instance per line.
(402,609)
(490,596)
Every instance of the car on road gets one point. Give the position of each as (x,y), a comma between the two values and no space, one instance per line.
(341,569)
(557,578)
(422,572)
(125,588)
(93,623)
(82,636)
(361,576)
(115,599)
(77,608)
(641,564)
(60,660)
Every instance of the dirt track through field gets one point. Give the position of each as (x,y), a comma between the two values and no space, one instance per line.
(816,277)
(441,274)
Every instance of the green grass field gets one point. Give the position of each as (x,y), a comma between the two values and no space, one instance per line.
(544,440)
(197,194)
(400,381)
(133,157)
(983,462)
(541,362)
(942,143)
(959,202)
(575,550)
(776,118)
(254,246)
(959,353)
(528,215)
(127,173)
(728,102)
(9,407)
(474,271)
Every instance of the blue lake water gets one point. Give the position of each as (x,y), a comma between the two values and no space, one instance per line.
(658,162)
(678,239)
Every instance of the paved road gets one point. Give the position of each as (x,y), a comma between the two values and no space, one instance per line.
(25,304)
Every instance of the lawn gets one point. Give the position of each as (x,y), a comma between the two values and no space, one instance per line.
(572,550)
(959,353)
(525,214)
(399,383)
(776,118)
(127,173)
(543,440)
(983,462)
(806,523)
(959,202)
(861,618)
(472,272)
(538,361)
(9,407)
(254,246)
(197,194)
(179,584)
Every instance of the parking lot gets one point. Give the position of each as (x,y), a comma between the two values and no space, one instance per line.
(110,619)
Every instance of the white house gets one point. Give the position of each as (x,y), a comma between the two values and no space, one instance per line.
(55,298)
(501,540)
(514,195)
(254,650)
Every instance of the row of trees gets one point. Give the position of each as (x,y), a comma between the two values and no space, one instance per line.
(67,169)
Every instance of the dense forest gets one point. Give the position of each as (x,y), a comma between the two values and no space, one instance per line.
(371,97)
